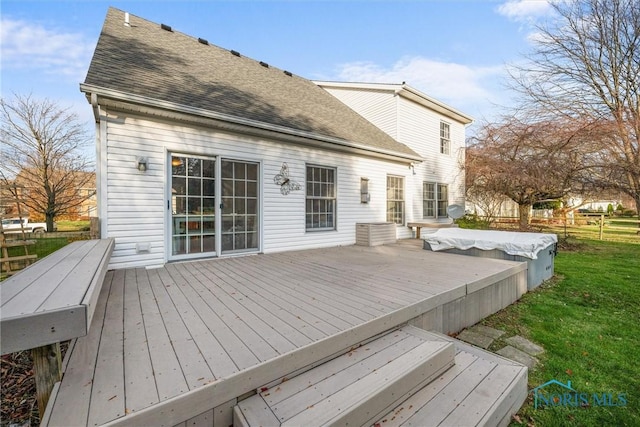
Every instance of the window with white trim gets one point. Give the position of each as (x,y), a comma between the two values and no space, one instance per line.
(435,199)
(429,199)
(395,199)
(321,198)
(445,138)
(443,200)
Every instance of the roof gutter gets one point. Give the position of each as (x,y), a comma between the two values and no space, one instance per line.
(98,95)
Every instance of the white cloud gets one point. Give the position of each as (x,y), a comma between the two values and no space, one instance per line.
(525,10)
(468,88)
(29,45)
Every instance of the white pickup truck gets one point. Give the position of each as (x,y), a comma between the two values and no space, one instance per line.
(17,225)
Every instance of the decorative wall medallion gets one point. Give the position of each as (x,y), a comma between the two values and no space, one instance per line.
(286,184)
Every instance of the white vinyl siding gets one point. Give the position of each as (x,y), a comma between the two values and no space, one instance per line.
(418,127)
(379,107)
(136,203)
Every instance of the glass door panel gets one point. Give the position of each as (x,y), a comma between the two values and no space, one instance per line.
(239,206)
(192,205)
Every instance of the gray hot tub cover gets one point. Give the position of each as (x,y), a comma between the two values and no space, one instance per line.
(514,243)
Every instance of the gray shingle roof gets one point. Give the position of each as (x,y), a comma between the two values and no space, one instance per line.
(146,60)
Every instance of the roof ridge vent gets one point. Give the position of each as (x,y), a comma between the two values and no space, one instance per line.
(203,41)
(264,64)
(166,27)
(288,73)
(234,52)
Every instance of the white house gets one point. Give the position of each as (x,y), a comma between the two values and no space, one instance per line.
(204,152)
(433,129)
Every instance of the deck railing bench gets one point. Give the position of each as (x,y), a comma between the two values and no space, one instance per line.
(51,301)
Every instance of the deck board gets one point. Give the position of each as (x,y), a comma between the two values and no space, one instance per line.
(161,333)
(170,380)
(305,287)
(219,321)
(256,331)
(238,322)
(246,291)
(194,368)
(305,312)
(311,309)
(140,381)
(107,394)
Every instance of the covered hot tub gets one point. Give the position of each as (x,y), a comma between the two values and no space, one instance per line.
(537,249)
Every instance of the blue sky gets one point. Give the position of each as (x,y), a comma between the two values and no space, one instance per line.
(453,50)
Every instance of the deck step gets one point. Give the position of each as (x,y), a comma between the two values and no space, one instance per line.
(481,389)
(406,377)
(353,389)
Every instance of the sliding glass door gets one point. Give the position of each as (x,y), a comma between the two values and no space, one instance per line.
(204,224)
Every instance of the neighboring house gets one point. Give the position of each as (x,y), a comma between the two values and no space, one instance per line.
(433,129)
(204,152)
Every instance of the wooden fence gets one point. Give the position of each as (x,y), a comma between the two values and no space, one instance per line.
(591,225)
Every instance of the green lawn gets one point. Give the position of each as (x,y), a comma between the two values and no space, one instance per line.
(588,321)
(73,225)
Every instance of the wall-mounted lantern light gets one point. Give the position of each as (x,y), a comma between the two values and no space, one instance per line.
(364,190)
(141,164)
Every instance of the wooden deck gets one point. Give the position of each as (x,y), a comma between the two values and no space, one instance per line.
(180,343)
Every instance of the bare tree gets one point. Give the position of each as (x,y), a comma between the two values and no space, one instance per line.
(527,161)
(585,66)
(41,156)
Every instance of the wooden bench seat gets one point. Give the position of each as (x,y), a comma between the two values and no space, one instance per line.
(419,225)
(54,299)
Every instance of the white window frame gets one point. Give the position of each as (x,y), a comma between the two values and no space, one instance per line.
(445,138)
(438,205)
(442,203)
(395,196)
(429,200)
(321,198)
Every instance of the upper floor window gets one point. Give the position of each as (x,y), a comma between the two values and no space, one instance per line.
(321,198)
(445,138)
(395,199)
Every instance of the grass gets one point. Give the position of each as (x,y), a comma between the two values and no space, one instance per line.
(588,320)
(47,243)
(73,225)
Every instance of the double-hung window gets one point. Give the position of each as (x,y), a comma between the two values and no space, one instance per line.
(429,199)
(445,138)
(435,199)
(443,200)
(395,199)
(321,198)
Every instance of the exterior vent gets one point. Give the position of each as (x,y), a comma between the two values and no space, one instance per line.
(203,41)
(234,53)
(166,27)
(288,73)
(264,64)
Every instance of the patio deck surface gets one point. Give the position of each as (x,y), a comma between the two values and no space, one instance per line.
(195,335)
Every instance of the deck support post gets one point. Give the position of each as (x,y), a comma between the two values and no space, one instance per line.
(47,370)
